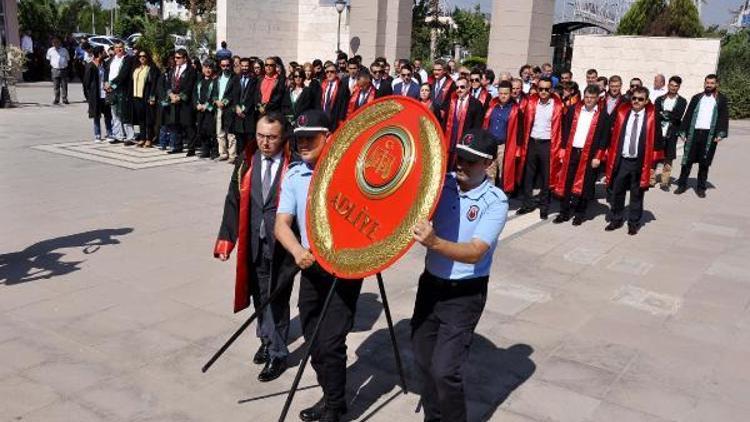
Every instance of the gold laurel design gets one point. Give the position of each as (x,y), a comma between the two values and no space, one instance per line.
(362,260)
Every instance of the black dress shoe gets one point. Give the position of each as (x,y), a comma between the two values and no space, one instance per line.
(273,369)
(331,415)
(577,221)
(560,219)
(543,214)
(115,141)
(680,190)
(261,356)
(313,413)
(190,153)
(524,210)
(613,225)
(128,143)
(632,229)
(701,193)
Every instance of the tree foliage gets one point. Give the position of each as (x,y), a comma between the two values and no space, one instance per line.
(420,30)
(641,15)
(734,71)
(676,18)
(47,18)
(129,16)
(157,39)
(472,30)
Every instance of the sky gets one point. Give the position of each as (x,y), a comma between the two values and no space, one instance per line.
(715,12)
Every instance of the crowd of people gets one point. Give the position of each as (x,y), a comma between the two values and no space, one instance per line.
(505,135)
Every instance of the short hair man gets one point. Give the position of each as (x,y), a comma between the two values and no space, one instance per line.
(406,85)
(452,289)
(329,352)
(58,58)
(464,113)
(670,109)
(503,122)
(591,76)
(660,87)
(705,125)
(630,157)
(259,253)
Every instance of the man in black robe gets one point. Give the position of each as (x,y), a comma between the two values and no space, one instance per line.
(244,106)
(706,123)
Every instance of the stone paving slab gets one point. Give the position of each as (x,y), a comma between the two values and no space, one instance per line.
(111,301)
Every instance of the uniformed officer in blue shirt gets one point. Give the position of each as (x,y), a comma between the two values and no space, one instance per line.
(453,288)
(328,356)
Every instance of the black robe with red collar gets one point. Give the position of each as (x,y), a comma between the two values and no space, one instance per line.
(236,230)
(354,99)
(511,171)
(649,152)
(338,103)
(469,117)
(585,175)
(529,114)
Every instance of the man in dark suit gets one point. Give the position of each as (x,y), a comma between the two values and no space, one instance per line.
(407,87)
(629,158)
(180,116)
(670,108)
(382,87)
(335,96)
(244,106)
(464,113)
(706,123)
(443,88)
(350,79)
(263,265)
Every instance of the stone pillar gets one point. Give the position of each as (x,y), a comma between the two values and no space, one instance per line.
(10,9)
(380,28)
(520,33)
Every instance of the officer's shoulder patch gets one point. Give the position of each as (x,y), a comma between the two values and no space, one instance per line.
(472,213)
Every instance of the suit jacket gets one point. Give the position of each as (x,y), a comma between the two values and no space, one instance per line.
(181,113)
(413,91)
(91,89)
(583,182)
(338,104)
(244,100)
(122,88)
(277,95)
(441,100)
(227,98)
(471,117)
(308,99)
(240,225)
(206,93)
(384,89)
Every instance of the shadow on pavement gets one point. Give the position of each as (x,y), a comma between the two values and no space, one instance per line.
(44,260)
(492,374)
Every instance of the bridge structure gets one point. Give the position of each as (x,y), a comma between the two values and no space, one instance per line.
(604,14)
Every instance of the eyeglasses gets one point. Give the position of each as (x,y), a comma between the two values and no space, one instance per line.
(270,64)
(406,75)
(142,56)
(298,76)
(262,137)
(634,86)
(225,66)
(377,72)
(544,89)
(475,80)
(330,71)
(178,57)
(460,86)
(638,99)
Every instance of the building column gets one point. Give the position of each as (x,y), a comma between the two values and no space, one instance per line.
(520,34)
(380,28)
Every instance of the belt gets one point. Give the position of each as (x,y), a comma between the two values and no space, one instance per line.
(539,140)
(630,159)
(465,283)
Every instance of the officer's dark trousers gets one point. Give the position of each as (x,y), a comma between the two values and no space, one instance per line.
(273,323)
(537,162)
(627,178)
(328,356)
(445,316)
(568,201)
(697,155)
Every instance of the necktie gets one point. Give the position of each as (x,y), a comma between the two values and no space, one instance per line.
(266,186)
(633,137)
(404,89)
(329,91)
(362,98)
(244,82)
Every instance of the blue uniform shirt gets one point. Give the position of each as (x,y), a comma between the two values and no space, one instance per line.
(462,216)
(293,198)
(498,127)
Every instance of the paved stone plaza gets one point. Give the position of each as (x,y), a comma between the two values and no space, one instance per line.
(111,300)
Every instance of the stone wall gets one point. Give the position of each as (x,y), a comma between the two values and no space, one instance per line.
(520,34)
(643,57)
(303,30)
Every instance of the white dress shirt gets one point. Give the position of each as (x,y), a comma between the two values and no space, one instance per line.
(114,67)
(668,105)
(656,93)
(274,166)
(585,118)
(27,44)
(705,112)
(542,128)
(628,133)
(58,57)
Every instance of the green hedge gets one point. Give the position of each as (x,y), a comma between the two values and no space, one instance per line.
(734,71)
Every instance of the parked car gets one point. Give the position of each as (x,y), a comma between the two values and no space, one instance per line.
(132,39)
(107,41)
